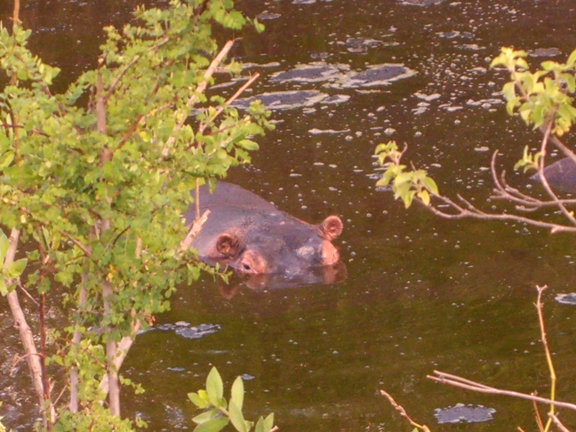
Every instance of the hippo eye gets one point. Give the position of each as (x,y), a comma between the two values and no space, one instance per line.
(246,267)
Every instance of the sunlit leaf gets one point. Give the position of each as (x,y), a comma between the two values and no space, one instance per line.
(198,401)
(3,289)
(407,198)
(269,422)
(248,145)
(4,244)
(237,418)
(572,58)
(424,196)
(431,185)
(214,387)
(16,268)
(237,393)
(549,65)
(509,91)
(214,425)
(204,417)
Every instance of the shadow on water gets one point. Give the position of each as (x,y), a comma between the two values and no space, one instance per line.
(417,293)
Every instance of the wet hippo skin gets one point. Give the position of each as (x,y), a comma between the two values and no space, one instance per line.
(560,175)
(250,235)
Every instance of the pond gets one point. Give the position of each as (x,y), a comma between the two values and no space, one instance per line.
(421,293)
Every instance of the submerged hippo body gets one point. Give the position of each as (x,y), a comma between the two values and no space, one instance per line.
(560,175)
(251,235)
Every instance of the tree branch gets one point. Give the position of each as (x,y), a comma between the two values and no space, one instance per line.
(194,230)
(474,212)
(199,90)
(456,381)
(403,412)
(235,96)
(128,66)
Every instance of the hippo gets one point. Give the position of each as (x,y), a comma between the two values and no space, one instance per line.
(560,175)
(250,235)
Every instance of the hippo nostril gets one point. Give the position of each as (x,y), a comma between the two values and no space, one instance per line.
(292,271)
(246,267)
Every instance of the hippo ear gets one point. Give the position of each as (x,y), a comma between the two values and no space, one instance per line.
(331,227)
(227,245)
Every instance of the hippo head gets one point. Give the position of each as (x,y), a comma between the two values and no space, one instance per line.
(285,246)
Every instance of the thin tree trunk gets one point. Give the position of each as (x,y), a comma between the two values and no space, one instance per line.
(32,356)
(111,346)
(76,339)
(121,352)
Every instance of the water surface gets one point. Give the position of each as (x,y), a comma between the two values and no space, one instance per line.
(421,293)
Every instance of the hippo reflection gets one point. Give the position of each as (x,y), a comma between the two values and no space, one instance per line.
(314,275)
(249,234)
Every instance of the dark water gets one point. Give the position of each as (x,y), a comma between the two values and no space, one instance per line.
(421,293)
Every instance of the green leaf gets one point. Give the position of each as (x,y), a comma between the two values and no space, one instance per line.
(198,401)
(269,422)
(407,198)
(16,268)
(214,425)
(248,145)
(572,59)
(8,157)
(549,65)
(237,418)
(4,244)
(205,416)
(570,82)
(260,425)
(237,393)
(384,181)
(258,26)
(3,289)
(431,185)
(403,178)
(509,91)
(424,196)
(214,387)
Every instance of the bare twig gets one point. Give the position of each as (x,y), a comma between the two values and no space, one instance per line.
(505,191)
(17,359)
(403,412)
(25,291)
(558,423)
(473,212)
(537,415)
(456,381)
(539,307)
(16,13)
(556,141)
(199,90)
(235,96)
(129,65)
(194,230)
